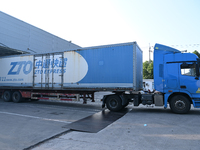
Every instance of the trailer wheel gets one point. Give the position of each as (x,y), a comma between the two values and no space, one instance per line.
(180,104)
(114,103)
(17,97)
(7,96)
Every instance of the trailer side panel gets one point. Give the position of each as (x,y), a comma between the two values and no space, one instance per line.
(111,67)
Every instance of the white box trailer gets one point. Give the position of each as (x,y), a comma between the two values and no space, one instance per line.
(116,67)
(111,67)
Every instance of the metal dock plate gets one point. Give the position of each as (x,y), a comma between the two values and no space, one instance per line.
(97,122)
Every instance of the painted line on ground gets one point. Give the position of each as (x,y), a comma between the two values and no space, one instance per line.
(46,119)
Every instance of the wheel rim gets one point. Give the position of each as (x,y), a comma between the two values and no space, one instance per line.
(180,104)
(6,96)
(113,103)
(15,96)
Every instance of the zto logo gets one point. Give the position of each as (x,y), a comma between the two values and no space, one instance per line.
(17,66)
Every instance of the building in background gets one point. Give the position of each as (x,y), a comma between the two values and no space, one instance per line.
(17,37)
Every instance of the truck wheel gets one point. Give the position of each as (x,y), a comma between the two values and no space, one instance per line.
(180,104)
(16,97)
(114,103)
(7,96)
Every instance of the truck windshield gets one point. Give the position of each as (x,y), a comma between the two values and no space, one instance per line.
(188,69)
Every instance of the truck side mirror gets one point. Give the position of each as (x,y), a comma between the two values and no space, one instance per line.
(197,72)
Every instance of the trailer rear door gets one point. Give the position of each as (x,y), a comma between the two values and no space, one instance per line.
(48,71)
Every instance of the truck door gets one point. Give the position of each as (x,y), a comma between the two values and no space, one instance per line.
(171,77)
(48,71)
(188,80)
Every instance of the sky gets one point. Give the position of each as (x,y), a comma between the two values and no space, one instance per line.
(174,23)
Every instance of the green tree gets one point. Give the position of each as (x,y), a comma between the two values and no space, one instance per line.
(197,53)
(148,70)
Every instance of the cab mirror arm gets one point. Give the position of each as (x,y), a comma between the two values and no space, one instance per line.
(197,72)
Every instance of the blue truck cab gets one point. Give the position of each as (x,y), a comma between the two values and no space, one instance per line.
(176,81)
(176,76)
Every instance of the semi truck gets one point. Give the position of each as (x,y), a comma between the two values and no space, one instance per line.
(117,68)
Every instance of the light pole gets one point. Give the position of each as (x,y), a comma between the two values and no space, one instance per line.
(150,53)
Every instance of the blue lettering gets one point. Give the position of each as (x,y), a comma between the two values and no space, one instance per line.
(47,63)
(38,63)
(20,66)
(50,71)
(17,66)
(30,67)
(14,64)
(10,72)
(62,71)
(56,63)
(65,62)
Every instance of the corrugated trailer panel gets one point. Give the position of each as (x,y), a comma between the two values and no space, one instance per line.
(106,67)
(112,67)
(139,67)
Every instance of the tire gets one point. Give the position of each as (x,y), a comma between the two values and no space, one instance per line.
(180,104)
(16,97)
(114,103)
(7,96)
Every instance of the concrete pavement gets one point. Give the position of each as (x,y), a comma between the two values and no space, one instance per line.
(141,129)
(26,124)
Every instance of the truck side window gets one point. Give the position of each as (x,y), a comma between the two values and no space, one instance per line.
(188,69)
